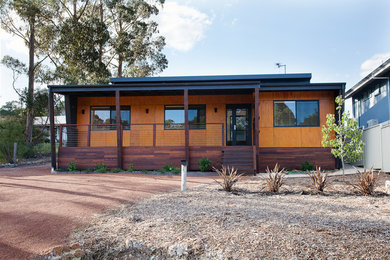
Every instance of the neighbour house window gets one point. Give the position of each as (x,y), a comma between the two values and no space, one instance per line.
(103,118)
(296,113)
(174,117)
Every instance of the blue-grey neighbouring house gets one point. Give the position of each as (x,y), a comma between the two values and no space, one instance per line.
(370,97)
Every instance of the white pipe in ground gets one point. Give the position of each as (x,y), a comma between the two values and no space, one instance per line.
(183,175)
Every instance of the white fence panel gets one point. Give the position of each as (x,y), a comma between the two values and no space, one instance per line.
(372,148)
(386,148)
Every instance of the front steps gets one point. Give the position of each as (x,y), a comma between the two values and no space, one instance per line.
(239,157)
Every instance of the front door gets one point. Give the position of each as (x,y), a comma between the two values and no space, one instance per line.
(238,125)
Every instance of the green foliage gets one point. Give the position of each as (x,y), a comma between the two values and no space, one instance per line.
(100,167)
(116,170)
(204,164)
(72,167)
(11,130)
(344,136)
(43,149)
(176,170)
(306,166)
(122,40)
(169,167)
(131,167)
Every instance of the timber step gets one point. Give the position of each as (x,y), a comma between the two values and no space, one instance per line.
(240,157)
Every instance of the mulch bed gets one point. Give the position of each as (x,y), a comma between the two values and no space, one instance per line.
(249,223)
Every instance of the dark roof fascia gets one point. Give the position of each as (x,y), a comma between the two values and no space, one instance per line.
(383,68)
(173,87)
(306,76)
(131,87)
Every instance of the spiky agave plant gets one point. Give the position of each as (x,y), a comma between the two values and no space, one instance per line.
(366,181)
(229,176)
(319,178)
(274,178)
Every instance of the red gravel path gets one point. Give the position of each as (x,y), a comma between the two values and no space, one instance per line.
(38,209)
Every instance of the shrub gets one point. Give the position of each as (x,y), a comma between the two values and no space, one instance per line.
(366,181)
(204,164)
(116,170)
(229,177)
(11,130)
(168,167)
(319,178)
(100,167)
(274,178)
(176,170)
(72,166)
(306,166)
(43,149)
(131,167)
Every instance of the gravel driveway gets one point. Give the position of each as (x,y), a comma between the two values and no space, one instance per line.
(38,209)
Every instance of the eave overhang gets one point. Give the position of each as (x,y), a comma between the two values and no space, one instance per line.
(378,72)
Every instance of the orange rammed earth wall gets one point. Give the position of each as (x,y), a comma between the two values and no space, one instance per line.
(142,135)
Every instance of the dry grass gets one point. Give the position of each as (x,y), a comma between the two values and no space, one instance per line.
(205,223)
(274,178)
(366,181)
(319,179)
(229,177)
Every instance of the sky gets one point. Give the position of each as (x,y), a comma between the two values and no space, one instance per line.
(335,40)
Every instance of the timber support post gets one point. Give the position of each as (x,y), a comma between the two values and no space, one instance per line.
(186,128)
(52,132)
(256,134)
(118,128)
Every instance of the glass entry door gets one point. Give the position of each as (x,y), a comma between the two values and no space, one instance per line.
(238,125)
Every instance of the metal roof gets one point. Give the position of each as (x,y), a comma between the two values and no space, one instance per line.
(383,68)
(266,82)
(304,76)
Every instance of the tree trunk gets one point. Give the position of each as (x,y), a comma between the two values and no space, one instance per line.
(120,65)
(101,20)
(30,90)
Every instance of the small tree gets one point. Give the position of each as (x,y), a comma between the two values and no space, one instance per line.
(344,136)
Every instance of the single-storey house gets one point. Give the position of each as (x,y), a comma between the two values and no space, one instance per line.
(246,121)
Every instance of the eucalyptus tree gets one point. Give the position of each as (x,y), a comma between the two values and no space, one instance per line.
(135,48)
(101,38)
(28,19)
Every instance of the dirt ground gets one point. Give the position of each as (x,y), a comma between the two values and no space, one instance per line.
(38,209)
(207,223)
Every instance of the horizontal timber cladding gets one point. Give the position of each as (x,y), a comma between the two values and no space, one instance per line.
(154,158)
(87,157)
(142,158)
(292,157)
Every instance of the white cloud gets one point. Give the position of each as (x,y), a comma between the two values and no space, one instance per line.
(372,63)
(182,26)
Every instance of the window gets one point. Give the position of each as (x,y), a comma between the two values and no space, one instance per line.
(174,117)
(101,116)
(296,113)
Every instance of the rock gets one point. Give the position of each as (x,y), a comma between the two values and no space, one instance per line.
(65,249)
(75,246)
(58,250)
(78,253)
